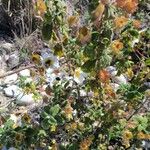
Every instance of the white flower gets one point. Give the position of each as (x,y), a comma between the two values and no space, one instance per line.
(112,71)
(50,61)
(54,75)
(115,86)
(16,120)
(74,112)
(84,93)
(79,76)
(120,79)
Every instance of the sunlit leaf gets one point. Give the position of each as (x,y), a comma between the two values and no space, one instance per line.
(52,121)
(97,13)
(58,50)
(45,125)
(41,7)
(89,52)
(84,35)
(36,58)
(147,62)
(54,110)
(72,20)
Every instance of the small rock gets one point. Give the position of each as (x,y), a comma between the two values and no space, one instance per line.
(134,42)
(147,84)
(12,148)
(28,80)
(112,71)
(25,99)
(4,148)
(111,68)
(1,88)
(7,46)
(25,73)
(10,79)
(120,79)
(115,86)
(146,144)
(13,60)
(2,72)
(12,91)
(16,120)
(83,93)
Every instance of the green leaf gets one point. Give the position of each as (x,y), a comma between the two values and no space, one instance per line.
(44,114)
(107,33)
(45,124)
(31,132)
(54,110)
(52,121)
(9,124)
(89,52)
(47,108)
(147,62)
(58,50)
(134,32)
(73,147)
(42,133)
(60,120)
(47,31)
(62,147)
(88,66)
(66,84)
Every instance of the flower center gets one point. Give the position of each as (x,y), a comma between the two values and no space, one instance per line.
(77,73)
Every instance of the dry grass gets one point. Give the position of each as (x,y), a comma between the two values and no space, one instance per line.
(21,13)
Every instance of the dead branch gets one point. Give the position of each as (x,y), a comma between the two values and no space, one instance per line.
(16,71)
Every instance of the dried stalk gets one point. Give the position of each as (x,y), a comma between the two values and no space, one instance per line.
(16,71)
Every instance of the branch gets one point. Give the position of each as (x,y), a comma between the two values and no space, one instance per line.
(16,71)
(136,110)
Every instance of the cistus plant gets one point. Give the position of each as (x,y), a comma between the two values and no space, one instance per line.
(84,109)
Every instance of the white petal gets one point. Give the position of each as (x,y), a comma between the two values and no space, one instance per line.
(120,79)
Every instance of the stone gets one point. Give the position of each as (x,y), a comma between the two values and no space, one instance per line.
(12,148)
(25,73)
(147,84)
(13,60)
(112,71)
(120,79)
(28,80)
(7,46)
(25,99)
(4,148)
(11,79)
(115,86)
(134,42)
(146,144)
(12,91)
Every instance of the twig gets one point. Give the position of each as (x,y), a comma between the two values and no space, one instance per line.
(28,38)
(136,110)
(16,71)
(6,104)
